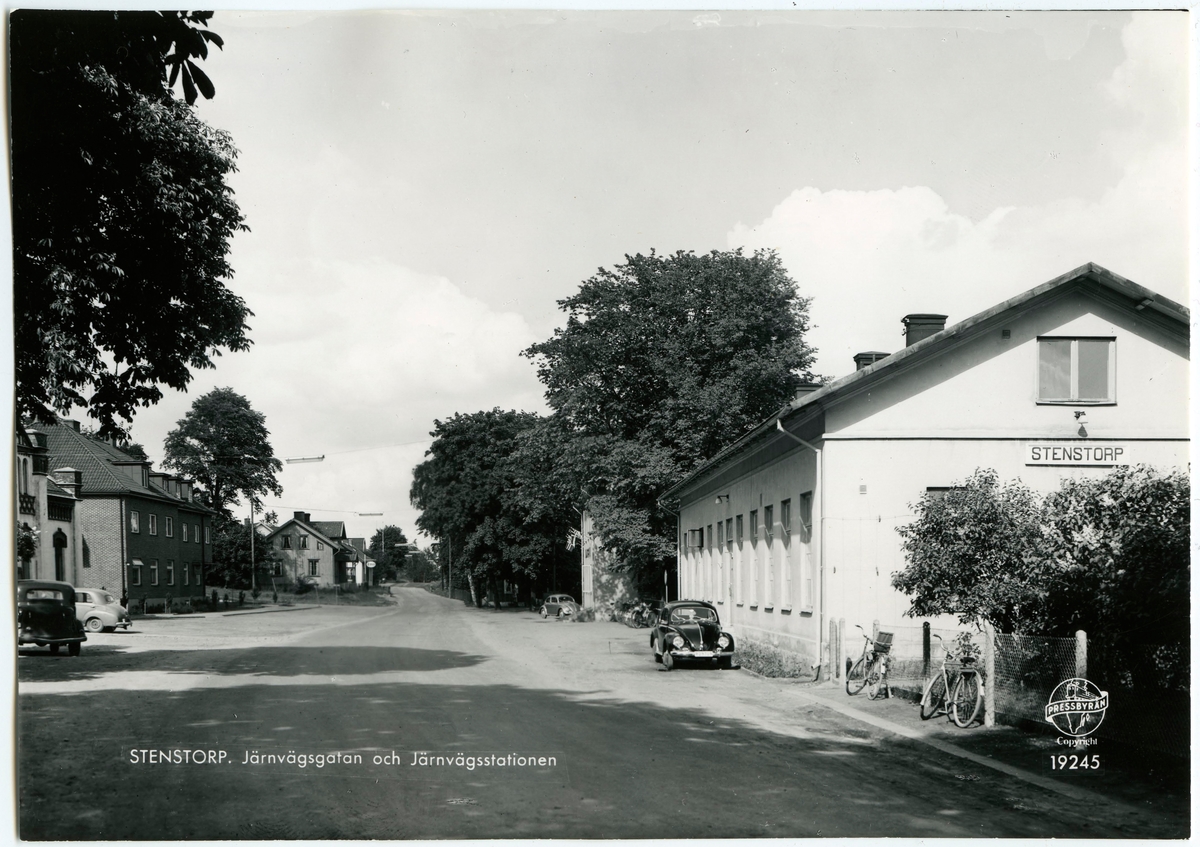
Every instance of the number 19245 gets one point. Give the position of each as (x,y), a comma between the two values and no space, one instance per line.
(1063,762)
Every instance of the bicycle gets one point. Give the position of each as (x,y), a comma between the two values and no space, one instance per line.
(965,697)
(870,671)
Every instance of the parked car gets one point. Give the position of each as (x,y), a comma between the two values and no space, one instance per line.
(690,630)
(46,616)
(559,605)
(99,611)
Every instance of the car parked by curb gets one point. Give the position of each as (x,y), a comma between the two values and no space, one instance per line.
(690,631)
(46,616)
(559,606)
(99,611)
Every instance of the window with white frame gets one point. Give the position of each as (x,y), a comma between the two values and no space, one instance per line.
(169,526)
(183,530)
(1076,370)
(135,522)
(153,524)
(154,571)
(170,571)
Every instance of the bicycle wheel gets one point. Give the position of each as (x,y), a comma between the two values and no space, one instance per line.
(933,700)
(875,681)
(856,677)
(966,700)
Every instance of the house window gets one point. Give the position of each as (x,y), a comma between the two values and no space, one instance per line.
(729,533)
(196,533)
(806,501)
(154,524)
(754,526)
(710,536)
(739,530)
(135,572)
(183,529)
(936,493)
(320,545)
(185,569)
(303,542)
(769,523)
(87,554)
(154,571)
(313,565)
(287,542)
(720,534)
(785,518)
(135,522)
(1076,370)
(277,570)
(207,537)
(169,526)
(170,571)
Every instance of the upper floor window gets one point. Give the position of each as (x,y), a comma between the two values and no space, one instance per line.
(806,502)
(769,522)
(169,526)
(135,522)
(154,524)
(710,536)
(207,538)
(754,527)
(739,530)
(183,529)
(785,517)
(320,545)
(1076,370)
(287,542)
(303,542)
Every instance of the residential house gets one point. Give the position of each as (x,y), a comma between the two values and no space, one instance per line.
(46,507)
(319,551)
(793,526)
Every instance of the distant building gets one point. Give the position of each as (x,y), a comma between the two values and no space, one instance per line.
(319,551)
(137,532)
(793,526)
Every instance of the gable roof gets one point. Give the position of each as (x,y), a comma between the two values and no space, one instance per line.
(331,529)
(306,526)
(1091,277)
(97,462)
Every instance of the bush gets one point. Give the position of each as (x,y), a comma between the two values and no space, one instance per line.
(584,616)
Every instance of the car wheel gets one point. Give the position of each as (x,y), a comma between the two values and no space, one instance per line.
(94,625)
(73,648)
(53,649)
(725,663)
(657,652)
(668,661)
(543,611)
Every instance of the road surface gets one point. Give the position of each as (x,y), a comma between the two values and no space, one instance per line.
(528,728)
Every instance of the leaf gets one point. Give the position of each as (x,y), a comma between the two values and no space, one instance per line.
(202,81)
(189,90)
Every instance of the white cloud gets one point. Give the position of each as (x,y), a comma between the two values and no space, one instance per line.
(870,257)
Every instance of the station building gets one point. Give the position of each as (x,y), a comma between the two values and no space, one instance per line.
(794,525)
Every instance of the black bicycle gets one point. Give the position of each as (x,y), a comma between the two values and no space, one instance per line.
(963,699)
(870,671)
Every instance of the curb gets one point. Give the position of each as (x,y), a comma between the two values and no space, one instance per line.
(269,611)
(922,737)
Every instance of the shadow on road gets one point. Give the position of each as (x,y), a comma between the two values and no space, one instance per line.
(40,666)
(622,769)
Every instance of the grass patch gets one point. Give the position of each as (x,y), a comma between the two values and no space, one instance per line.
(769,661)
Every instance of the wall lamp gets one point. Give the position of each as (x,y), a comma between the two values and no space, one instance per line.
(722,498)
(1081,418)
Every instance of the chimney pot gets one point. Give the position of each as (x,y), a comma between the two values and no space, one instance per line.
(862,360)
(920,326)
(300,516)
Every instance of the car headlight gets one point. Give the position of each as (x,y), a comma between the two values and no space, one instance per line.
(678,641)
(723,642)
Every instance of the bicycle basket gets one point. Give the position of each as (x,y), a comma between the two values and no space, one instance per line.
(883,642)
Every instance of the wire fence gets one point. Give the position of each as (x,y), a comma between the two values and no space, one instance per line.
(1149,705)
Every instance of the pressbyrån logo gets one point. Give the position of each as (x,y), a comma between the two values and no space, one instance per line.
(1077,707)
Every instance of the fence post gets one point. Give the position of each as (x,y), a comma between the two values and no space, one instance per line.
(926,652)
(874,629)
(1081,654)
(842,668)
(989,673)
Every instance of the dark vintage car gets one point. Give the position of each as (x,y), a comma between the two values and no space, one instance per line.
(46,616)
(690,630)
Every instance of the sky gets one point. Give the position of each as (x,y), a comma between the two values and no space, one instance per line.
(423,187)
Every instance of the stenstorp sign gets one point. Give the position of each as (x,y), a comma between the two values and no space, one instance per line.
(1094,454)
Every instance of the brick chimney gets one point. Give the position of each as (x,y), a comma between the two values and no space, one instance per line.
(301,516)
(918,327)
(862,360)
(806,388)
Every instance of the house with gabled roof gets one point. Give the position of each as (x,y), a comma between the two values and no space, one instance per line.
(142,533)
(791,530)
(319,551)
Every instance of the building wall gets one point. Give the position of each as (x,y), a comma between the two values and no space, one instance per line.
(170,552)
(296,560)
(101,521)
(603,588)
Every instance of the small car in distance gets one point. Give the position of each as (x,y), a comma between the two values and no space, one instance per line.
(46,615)
(559,605)
(99,611)
(690,630)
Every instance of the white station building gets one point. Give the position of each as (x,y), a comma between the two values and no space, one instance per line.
(794,525)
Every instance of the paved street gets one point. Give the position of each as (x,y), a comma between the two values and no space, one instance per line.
(630,751)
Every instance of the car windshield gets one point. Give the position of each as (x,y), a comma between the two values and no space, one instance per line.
(688,614)
(43,594)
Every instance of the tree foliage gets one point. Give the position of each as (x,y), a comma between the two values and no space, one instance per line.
(122,216)
(466,491)
(222,443)
(231,555)
(388,549)
(664,360)
(1106,555)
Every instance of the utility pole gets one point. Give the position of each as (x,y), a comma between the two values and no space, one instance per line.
(253,583)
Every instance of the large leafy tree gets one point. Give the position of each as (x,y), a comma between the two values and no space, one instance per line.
(465,490)
(389,549)
(664,360)
(222,443)
(122,216)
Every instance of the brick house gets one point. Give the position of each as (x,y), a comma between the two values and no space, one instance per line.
(48,509)
(141,533)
